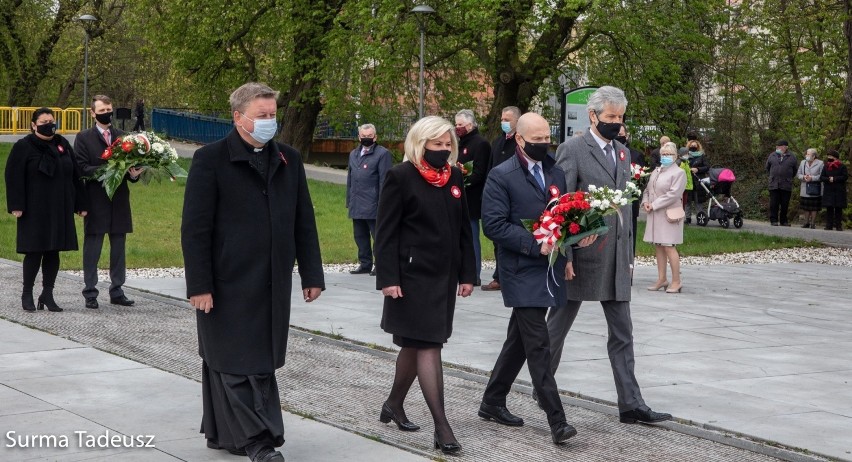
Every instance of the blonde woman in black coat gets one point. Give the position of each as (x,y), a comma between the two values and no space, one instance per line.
(424,259)
(43,190)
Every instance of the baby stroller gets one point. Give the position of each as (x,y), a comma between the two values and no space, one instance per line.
(718,182)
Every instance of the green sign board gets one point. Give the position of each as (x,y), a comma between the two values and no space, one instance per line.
(576,119)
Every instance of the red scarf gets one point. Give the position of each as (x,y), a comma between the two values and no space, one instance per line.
(437,178)
(833,165)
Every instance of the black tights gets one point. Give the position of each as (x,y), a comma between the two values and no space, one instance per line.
(425,365)
(49,263)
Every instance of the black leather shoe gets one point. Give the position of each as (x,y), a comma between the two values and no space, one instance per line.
(499,414)
(561,432)
(643,414)
(774,223)
(123,301)
(271,456)
(361,270)
(453,447)
(234,451)
(387,415)
(92,302)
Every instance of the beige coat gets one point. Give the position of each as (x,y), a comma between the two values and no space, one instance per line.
(665,189)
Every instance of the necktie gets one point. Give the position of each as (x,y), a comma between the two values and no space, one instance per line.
(610,156)
(537,175)
(107,137)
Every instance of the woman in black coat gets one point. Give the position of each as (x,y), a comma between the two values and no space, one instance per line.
(424,259)
(43,190)
(834,176)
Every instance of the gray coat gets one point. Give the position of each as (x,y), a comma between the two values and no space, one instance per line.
(602,269)
(781,169)
(814,170)
(364,181)
(511,194)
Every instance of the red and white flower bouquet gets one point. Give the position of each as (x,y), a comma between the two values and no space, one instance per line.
(569,218)
(639,175)
(143,149)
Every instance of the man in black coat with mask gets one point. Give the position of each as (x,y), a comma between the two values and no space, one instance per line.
(247,217)
(106,216)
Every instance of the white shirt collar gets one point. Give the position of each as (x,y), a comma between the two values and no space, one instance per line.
(601,142)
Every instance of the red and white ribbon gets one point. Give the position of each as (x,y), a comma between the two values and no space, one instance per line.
(548,230)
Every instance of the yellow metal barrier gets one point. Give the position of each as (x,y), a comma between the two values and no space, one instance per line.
(16,120)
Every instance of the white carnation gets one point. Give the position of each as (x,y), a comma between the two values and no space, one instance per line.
(158,148)
(605,203)
(596,203)
(592,188)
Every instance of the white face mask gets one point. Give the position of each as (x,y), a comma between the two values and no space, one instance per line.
(809,158)
(264,129)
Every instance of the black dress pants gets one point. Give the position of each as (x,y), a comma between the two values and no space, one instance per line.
(779,202)
(526,341)
(363,231)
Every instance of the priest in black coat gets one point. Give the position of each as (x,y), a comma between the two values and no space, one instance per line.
(106,216)
(247,218)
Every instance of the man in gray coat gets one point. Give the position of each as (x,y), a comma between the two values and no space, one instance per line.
(368,164)
(602,272)
(781,166)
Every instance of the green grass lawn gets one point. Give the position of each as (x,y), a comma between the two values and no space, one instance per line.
(155,242)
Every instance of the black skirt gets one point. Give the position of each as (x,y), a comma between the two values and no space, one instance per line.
(810,204)
(405,342)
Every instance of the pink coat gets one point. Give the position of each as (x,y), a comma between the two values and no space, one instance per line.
(665,189)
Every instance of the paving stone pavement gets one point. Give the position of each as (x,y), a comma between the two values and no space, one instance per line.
(344,385)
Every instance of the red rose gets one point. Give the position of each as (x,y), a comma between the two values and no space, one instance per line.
(573,228)
(637,176)
(559,219)
(106,154)
(579,195)
(127,146)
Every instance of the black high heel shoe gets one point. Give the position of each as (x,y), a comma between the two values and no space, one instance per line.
(453,447)
(27,302)
(387,415)
(46,299)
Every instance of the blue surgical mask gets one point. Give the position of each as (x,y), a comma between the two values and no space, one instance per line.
(506,126)
(665,161)
(264,129)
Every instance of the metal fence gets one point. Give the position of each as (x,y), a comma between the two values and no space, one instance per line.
(189,126)
(16,120)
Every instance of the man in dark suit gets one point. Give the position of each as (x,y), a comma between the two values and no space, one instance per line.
(502,149)
(517,189)
(368,164)
(603,272)
(473,148)
(106,216)
(247,216)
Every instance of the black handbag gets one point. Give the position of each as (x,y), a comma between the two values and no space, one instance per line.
(813,188)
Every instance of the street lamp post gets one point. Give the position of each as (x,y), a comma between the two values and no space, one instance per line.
(86,19)
(420,10)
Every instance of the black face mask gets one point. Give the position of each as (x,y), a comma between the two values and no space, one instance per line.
(367,142)
(47,130)
(693,149)
(608,130)
(536,151)
(621,139)
(105,118)
(436,159)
